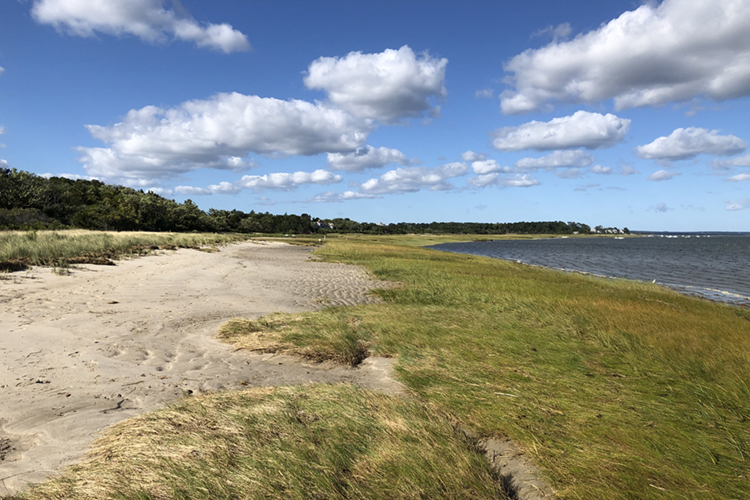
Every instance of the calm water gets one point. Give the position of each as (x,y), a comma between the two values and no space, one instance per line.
(715,267)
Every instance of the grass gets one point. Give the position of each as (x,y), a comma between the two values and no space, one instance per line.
(618,389)
(19,249)
(312,441)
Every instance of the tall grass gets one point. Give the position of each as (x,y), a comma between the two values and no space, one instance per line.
(618,389)
(52,247)
(313,441)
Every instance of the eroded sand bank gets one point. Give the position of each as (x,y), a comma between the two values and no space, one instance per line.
(81,352)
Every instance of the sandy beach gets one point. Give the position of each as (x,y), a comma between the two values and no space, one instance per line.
(80,352)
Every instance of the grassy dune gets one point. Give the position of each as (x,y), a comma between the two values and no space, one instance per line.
(313,441)
(618,389)
(19,249)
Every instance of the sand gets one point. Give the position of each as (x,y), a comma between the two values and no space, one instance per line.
(80,352)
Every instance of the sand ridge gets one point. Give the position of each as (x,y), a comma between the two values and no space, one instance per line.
(81,352)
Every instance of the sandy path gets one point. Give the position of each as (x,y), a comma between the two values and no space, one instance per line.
(81,352)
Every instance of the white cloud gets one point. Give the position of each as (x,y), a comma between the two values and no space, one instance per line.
(149,20)
(738,205)
(156,143)
(660,207)
(558,159)
(282,181)
(685,143)
(412,179)
(662,175)
(159,191)
(2,70)
(742,161)
(471,156)
(387,86)
(364,158)
(72,177)
(334,197)
(488,167)
(598,169)
(580,130)
(496,179)
(4,164)
(653,55)
(739,178)
(484,93)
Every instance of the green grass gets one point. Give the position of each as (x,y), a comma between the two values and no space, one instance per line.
(19,249)
(617,389)
(312,441)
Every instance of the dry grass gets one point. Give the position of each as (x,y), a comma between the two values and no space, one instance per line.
(618,389)
(314,441)
(19,249)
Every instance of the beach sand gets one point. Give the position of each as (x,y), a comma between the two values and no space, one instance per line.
(80,352)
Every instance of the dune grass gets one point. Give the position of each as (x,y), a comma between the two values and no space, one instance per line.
(53,248)
(312,441)
(617,389)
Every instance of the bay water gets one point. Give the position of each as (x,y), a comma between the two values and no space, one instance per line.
(715,266)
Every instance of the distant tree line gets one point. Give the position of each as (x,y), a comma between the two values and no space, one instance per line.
(29,201)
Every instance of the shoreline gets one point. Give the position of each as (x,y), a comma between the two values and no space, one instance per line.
(714,295)
(88,349)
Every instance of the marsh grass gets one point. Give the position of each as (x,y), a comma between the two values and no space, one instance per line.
(19,249)
(312,441)
(617,389)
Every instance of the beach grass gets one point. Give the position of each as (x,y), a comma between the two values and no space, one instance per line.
(617,389)
(20,249)
(312,441)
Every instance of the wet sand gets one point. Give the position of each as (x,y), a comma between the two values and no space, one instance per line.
(81,352)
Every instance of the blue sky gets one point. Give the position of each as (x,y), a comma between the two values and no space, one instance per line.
(614,113)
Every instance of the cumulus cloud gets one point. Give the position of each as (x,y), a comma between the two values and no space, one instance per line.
(580,130)
(558,159)
(598,169)
(685,143)
(282,181)
(149,20)
(72,177)
(334,197)
(386,86)
(160,191)
(471,156)
(4,164)
(364,158)
(652,55)
(739,178)
(484,93)
(412,179)
(488,166)
(662,175)
(738,205)
(497,179)
(742,161)
(219,133)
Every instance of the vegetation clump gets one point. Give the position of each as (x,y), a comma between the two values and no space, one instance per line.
(312,441)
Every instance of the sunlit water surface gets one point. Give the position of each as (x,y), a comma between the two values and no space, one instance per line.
(716,267)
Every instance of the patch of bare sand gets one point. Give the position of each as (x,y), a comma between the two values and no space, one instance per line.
(81,352)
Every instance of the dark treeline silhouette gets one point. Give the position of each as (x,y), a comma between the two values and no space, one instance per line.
(29,201)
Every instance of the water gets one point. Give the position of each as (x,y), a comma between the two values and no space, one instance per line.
(716,267)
